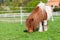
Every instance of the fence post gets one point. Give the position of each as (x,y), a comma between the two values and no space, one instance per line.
(21,14)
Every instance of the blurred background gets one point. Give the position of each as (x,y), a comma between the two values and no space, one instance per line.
(14,9)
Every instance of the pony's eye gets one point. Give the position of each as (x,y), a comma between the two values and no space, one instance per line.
(51,5)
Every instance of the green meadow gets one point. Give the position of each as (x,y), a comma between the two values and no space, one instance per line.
(15,31)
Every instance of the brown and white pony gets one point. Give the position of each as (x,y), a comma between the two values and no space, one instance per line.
(38,16)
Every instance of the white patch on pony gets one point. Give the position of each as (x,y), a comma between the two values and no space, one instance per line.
(41,5)
(45,25)
(49,12)
(40,27)
(45,22)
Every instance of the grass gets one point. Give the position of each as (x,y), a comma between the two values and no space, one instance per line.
(15,31)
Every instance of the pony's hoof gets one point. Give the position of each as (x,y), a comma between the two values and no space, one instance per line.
(40,31)
(45,30)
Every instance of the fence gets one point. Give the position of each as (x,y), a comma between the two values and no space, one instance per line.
(6,15)
(21,16)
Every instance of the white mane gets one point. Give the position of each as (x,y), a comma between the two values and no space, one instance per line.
(41,5)
(47,8)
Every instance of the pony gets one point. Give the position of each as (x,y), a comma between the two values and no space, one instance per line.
(38,18)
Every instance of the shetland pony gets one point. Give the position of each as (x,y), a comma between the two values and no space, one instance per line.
(38,16)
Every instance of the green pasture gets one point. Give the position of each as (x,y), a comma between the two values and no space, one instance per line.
(15,31)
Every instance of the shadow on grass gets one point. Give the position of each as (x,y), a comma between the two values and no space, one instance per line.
(25,31)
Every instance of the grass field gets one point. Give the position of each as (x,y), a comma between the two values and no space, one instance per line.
(15,31)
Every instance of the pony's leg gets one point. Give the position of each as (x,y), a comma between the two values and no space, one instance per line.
(40,27)
(45,25)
